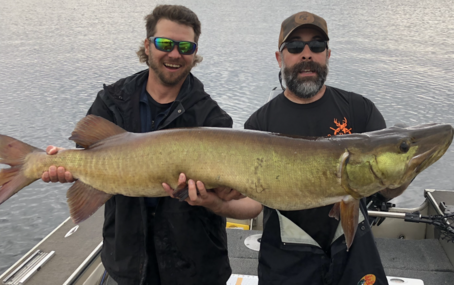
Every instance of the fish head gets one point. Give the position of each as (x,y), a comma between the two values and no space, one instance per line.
(391,158)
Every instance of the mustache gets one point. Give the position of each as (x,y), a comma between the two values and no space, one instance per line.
(305,65)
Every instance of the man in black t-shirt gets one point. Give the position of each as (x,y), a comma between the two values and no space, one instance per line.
(307,246)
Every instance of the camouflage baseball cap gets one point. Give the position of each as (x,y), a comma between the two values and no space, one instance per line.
(302,19)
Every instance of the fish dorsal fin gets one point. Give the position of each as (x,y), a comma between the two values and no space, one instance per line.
(84,200)
(92,129)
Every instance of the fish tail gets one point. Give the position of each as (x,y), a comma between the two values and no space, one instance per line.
(13,153)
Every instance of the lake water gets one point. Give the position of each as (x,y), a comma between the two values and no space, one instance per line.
(55,56)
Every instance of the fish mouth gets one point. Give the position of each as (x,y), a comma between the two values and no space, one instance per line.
(415,166)
(438,138)
(422,161)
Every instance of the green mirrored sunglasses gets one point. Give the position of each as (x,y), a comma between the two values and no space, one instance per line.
(167,45)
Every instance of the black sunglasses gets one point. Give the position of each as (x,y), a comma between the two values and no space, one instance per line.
(167,45)
(316,46)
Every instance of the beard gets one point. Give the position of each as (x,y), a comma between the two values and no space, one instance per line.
(305,88)
(169,79)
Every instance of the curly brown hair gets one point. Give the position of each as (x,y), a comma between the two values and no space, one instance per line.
(175,13)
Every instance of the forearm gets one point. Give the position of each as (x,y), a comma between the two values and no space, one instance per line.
(245,208)
(222,200)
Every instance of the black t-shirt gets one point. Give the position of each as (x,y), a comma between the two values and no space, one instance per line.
(156,109)
(337,113)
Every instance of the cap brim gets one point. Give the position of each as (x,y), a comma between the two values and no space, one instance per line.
(307,25)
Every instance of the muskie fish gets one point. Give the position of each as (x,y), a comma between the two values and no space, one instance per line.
(281,172)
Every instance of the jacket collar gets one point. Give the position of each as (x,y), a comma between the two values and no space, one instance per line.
(190,93)
(124,96)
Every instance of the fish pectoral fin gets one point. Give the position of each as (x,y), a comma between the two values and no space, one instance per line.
(84,200)
(181,192)
(335,211)
(349,212)
(92,129)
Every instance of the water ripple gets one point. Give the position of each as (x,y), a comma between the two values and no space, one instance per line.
(55,56)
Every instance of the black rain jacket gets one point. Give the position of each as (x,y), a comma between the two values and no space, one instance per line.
(190,241)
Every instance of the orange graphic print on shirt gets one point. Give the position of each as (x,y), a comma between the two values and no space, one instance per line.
(341,128)
(369,279)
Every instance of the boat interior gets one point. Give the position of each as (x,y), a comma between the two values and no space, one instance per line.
(416,247)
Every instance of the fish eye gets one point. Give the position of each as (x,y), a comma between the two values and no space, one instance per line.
(404,147)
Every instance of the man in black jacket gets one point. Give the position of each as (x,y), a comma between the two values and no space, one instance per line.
(161,240)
